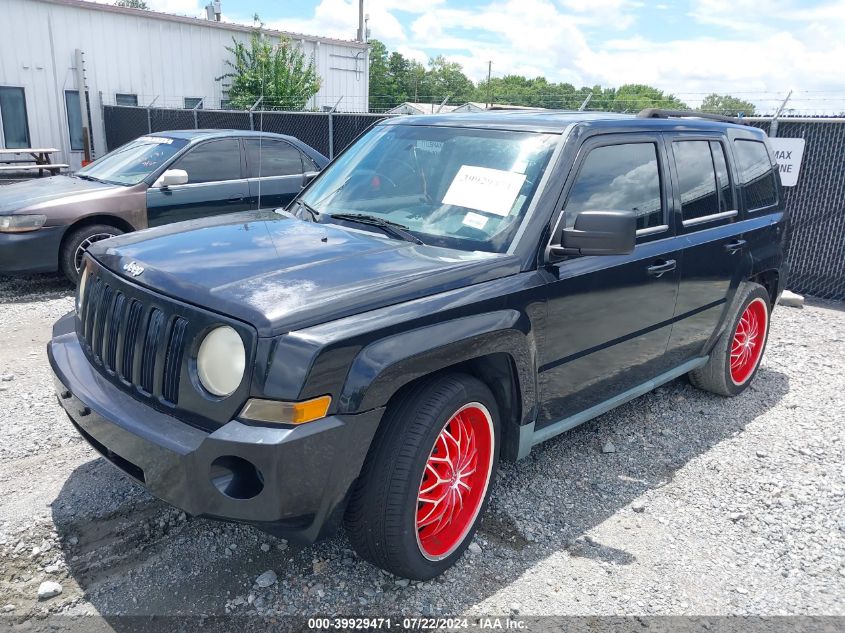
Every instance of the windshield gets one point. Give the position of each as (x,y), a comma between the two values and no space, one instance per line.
(455,187)
(129,164)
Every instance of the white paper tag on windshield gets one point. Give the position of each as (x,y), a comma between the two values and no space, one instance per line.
(484,189)
(475,220)
(155,139)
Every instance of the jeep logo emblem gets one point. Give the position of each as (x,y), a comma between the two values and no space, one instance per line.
(133,268)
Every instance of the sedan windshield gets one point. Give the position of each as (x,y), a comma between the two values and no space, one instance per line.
(460,188)
(131,163)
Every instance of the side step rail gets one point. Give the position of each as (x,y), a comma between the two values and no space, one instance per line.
(528,437)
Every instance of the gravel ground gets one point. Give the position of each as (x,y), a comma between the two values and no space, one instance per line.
(705,506)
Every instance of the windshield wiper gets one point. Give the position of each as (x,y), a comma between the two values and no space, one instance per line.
(87,177)
(391,228)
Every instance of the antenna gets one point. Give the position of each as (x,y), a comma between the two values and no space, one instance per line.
(261,130)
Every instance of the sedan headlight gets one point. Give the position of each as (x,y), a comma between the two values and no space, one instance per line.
(221,361)
(21,223)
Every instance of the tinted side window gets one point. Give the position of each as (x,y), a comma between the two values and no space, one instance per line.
(277,158)
(723,180)
(756,174)
(619,177)
(696,179)
(212,161)
(308,164)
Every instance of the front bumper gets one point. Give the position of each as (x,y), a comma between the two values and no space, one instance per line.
(32,251)
(306,472)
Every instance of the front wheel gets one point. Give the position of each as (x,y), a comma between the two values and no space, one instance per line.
(77,242)
(426,482)
(736,356)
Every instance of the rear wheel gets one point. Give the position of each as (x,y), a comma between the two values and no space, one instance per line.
(736,357)
(426,482)
(77,242)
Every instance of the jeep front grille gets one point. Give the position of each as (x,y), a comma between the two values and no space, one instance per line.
(139,343)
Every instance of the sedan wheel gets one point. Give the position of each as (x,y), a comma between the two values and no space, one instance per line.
(79,240)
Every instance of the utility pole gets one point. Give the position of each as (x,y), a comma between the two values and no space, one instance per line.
(361,29)
(489,87)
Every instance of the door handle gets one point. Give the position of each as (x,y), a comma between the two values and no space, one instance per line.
(661,266)
(735,245)
(234,198)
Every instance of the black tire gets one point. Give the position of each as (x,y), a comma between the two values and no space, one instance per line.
(717,376)
(77,241)
(382,515)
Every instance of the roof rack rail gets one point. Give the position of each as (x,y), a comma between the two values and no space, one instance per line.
(658,113)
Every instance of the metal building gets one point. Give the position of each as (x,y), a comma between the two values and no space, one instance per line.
(133,57)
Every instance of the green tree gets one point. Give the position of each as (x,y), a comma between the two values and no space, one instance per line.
(537,92)
(279,72)
(633,98)
(132,4)
(395,79)
(447,79)
(382,83)
(726,104)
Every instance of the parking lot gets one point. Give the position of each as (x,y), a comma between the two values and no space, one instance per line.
(680,502)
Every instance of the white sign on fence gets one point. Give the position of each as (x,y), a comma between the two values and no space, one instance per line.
(788,154)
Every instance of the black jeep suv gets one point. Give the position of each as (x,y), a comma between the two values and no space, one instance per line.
(451,291)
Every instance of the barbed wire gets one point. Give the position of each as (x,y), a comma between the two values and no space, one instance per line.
(817,104)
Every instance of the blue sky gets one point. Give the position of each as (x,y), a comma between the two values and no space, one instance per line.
(750,48)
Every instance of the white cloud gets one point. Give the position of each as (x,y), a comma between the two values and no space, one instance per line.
(192,8)
(749,50)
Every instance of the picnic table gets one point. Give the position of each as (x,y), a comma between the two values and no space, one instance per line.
(30,159)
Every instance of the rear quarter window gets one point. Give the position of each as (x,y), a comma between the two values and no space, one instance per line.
(705,187)
(756,174)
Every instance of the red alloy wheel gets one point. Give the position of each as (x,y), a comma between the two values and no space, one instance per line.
(454,481)
(747,344)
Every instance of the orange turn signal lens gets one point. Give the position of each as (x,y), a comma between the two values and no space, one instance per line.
(276,412)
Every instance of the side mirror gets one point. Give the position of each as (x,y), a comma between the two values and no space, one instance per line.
(308,176)
(599,233)
(171,177)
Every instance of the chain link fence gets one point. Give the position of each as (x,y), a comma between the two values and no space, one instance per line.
(327,132)
(817,203)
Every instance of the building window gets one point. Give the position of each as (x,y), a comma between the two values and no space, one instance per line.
(125,99)
(13,115)
(193,102)
(74,120)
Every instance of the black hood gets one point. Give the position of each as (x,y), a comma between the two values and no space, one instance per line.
(41,191)
(280,273)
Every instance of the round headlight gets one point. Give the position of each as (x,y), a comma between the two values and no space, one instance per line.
(221,361)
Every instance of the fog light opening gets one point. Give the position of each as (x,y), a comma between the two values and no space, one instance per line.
(236,478)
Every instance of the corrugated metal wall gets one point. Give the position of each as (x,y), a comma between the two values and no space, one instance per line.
(138,53)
